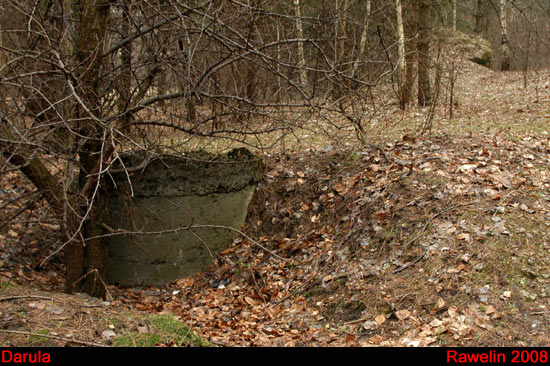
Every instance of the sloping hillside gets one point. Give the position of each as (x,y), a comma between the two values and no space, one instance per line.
(415,241)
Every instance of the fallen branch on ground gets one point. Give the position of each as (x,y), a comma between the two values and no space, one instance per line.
(52,337)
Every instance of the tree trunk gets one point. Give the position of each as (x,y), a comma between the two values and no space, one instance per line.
(424,88)
(410,48)
(53,193)
(252,67)
(362,41)
(401,76)
(301,55)
(527,48)
(83,273)
(505,47)
(341,30)
(125,77)
(453,5)
(478,17)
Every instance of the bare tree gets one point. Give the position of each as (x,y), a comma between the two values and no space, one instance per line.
(401,77)
(505,46)
(301,55)
(478,16)
(363,39)
(411,28)
(454,14)
(423,47)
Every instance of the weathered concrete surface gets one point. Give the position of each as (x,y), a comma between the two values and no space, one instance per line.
(170,195)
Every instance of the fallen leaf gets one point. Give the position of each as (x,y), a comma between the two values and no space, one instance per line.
(381,214)
(369,325)
(402,314)
(376,339)
(380,319)
(463,236)
(108,334)
(340,188)
(351,339)
(436,323)
(249,300)
(452,310)
(524,208)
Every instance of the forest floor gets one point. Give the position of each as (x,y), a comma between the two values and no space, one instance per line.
(440,240)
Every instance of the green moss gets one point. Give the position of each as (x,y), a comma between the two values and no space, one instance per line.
(4,285)
(486,59)
(36,339)
(308,293)
(164,329)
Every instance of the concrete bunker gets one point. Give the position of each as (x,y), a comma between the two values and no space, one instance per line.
(178,218)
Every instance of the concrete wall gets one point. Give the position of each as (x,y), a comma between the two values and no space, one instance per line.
(170,194)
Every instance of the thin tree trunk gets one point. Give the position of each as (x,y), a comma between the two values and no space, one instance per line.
(410,49)
(125,83)
(301,55)
(363,40)
(505,47)
(279,84)
(185,84)
(527,49)
(479,14)
(453,4)
(341,30)
(424,88)
(401,77)
(252,67)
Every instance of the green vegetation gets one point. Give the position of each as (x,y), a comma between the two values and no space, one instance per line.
(162,329)
(37,340)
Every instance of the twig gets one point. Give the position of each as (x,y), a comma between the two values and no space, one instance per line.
(24,297)
(356,321)
(218,343)
(53,337)
(108,295)
(403,267)
(245,236)
(258,291)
